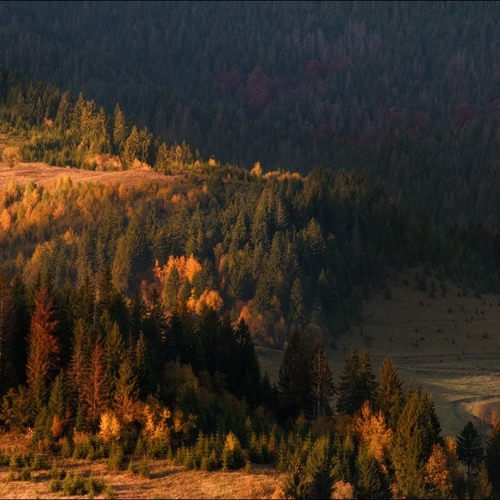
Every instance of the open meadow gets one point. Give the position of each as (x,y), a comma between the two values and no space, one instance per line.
(448,344)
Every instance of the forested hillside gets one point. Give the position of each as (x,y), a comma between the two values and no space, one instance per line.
(404,91)
(277,249)
(130,311)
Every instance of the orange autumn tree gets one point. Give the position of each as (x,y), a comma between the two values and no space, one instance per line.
(177,279)
(43,350)
(374,433)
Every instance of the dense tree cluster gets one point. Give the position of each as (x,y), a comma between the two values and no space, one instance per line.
(405,91)
(115,378)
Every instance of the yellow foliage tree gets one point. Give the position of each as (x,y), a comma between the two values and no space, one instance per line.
(374,433)
(437,475)
(109,427)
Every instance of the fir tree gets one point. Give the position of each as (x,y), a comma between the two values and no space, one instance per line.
(357,383)
(294,376)
(414,437)
(321,384)
(7,332)
(43,349)
(371,482)
(389,395)
(119,130)
(493,458)
(470,451)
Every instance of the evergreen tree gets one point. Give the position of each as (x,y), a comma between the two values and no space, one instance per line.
(43,349)
(344,460)
(119,130)
(248,377)
(318,466)
(470,451)
(162,163)
(80,355)
(294,380)
(126,391)
(322,384)
(414,437)
(371,482)
(493,458)
(7,333)
(114,356)
(297,308)
(132,147)
(389,395)
(357,383)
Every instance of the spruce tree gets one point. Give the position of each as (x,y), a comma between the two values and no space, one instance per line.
(294,381)
(119,130)
(412,444)
(318,467)
(389,395)
(357,383)
(322,386)
(493,458)
(470,451)
(371,482)
(7,332)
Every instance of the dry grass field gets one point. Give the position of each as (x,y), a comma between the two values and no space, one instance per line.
(166,481)
(449,345)
(40,173)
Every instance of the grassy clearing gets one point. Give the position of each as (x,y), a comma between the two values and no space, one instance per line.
(165,481)
(447,344)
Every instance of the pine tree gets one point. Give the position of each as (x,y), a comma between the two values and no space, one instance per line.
(371,482)
(493,458)
(357,383)
(132,147)
(119,130)
(126,391)
(294,376)
(389,395)
(297,308)
(162,163)
(43,349)
(344,460)
(415,435)
(322,384)
(470,451)
(318,466)
(248,378)
(80,355)
(7,332)
(114,356)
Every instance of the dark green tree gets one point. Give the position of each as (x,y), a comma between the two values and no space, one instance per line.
(357,383)
(322,386)
(119,130)
(470,451)
(294,380)
(492,450)
(416,433)
(7,334)
(389,395)
(371,482)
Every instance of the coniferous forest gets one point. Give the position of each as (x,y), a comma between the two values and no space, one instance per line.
(302,153)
